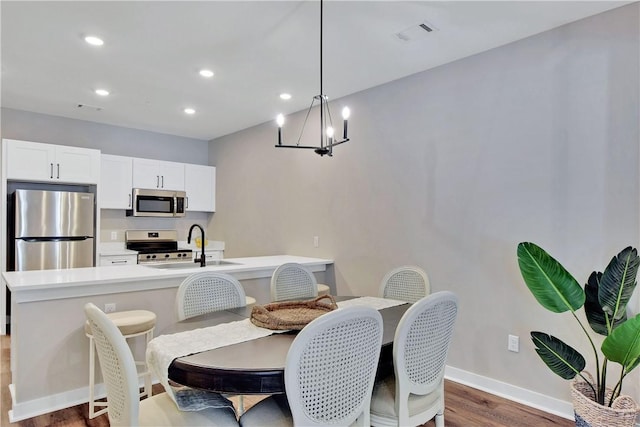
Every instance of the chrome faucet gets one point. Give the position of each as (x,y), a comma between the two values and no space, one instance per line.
(203,259)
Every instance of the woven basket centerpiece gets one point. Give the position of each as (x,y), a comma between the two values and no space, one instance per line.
(291,315)
(589,413)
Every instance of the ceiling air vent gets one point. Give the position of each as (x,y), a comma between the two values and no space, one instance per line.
(415,32)
(89,107)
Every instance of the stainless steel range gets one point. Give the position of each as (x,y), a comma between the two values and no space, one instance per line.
(157,246)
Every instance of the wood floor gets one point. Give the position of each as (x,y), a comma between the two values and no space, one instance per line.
(465,407)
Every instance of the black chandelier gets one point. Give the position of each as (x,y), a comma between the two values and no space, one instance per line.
(327,140)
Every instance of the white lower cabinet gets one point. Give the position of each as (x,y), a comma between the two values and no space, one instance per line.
(114,260)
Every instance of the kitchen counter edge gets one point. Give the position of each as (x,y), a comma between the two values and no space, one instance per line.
(41,285)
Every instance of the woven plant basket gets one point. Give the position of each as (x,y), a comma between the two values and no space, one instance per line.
(589,413)
(291,315)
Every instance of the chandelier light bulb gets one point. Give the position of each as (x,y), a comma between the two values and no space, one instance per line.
(280,120)
(330,132)
(346,112)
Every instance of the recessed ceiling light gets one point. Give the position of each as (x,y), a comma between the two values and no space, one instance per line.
(93,40)
(102,92)
(206,73)
(285,96)
(189,111)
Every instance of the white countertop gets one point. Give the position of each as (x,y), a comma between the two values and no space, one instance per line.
(50,280)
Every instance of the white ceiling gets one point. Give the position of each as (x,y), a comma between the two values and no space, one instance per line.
(154,49)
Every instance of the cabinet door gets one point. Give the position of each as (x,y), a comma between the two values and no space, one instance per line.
(200,186)
(171,175)
(77,165)
(116,260)
(30,161)
(145,173)
(114,191)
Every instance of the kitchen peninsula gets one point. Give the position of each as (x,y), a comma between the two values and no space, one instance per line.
(49,350)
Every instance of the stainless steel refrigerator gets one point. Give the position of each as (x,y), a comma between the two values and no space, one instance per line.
(53,230)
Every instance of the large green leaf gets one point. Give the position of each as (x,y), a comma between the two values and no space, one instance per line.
(549,282)
(595,315)
(623,345)
(561,358)
(618,282)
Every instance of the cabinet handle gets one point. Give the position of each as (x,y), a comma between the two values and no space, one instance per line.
(51,170)
(157,181)
(124,261)
(162,181)
(187,202)
(58,166)
(129,199)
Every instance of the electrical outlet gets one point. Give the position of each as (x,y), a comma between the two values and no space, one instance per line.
(110,307)
(514,343)
(114,235)
(316,241)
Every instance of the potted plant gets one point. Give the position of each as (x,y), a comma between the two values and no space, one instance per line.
(604,299)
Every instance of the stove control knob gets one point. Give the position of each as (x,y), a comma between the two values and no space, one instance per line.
(148,256)
(166,255)
(153,256)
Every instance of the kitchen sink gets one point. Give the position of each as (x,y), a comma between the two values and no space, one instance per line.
(185,265)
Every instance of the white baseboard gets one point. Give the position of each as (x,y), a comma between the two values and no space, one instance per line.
(44,405)
(55,402)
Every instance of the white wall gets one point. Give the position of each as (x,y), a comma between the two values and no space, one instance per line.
(449,169)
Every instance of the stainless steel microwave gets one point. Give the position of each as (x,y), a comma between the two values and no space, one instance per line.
(157,203)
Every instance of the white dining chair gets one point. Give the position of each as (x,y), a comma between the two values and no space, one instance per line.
(407,283)
(295,281)
(206,292)
(414,394)
(329,373)
(121,379)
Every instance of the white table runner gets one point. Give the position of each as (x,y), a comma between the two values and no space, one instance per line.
(163,349)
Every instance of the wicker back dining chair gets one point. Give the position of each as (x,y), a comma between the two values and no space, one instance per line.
(293,281)
(206,292)
(121,380)
(407,283)
(414,394)
(329,373)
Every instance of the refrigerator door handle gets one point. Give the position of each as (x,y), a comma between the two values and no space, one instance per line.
(54,239)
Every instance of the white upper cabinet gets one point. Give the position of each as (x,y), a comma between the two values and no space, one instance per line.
(34,161)
(115,187)
(158,174)
(200,186)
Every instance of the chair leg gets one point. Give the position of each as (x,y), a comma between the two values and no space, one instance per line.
(240,405)
(439,420)
(92,383)
(147,376)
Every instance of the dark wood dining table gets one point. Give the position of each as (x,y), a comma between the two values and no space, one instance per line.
(255,366)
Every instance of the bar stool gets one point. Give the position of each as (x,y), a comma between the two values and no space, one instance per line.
(133,323)
(323,289)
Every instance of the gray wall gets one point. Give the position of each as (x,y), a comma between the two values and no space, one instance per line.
(449,169)
(28,126)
